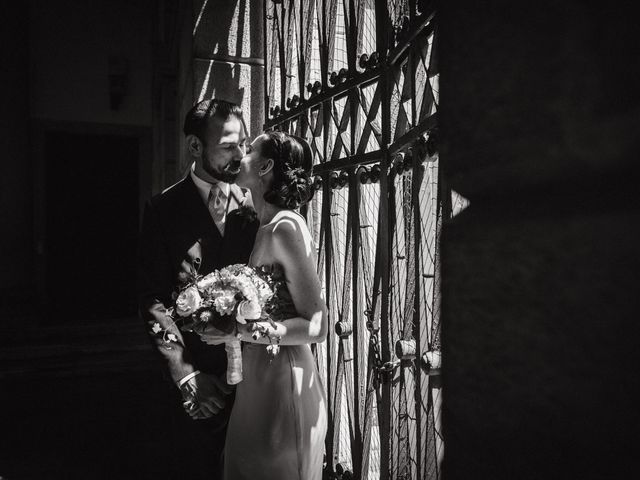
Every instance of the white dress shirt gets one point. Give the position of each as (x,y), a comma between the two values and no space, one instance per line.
(204,188)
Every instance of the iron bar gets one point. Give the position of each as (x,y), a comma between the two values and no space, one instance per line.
(347,162)
(271,58)
(413,134)
(307,38)
(265,72)
(233,60)
(327,94)
(425,22)
(281,54)
(352,38)
(418,177)
(289,49)
(358,335)
(359,24)
(384,408)
(326,221)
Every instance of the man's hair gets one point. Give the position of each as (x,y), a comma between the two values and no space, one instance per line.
(198,117)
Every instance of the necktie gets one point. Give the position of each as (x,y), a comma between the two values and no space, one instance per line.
(217,205)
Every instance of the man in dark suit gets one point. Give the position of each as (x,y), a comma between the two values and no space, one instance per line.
(199,224)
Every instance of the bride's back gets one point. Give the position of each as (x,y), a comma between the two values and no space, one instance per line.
(284,223)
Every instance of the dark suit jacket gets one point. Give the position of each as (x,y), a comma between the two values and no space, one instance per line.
(177,234)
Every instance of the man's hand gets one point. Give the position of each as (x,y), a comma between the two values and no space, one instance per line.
(204,395)
(171,350)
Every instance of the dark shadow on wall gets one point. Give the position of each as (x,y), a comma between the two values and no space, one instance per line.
(539,113)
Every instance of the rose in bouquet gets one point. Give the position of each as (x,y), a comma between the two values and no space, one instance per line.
(234,294)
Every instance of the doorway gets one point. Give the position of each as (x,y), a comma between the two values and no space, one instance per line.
(91,226)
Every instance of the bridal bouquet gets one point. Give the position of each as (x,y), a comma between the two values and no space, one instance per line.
(237,293)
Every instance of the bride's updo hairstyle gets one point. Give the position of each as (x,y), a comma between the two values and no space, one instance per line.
(292,161)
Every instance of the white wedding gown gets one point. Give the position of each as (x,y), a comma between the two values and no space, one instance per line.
(279,421)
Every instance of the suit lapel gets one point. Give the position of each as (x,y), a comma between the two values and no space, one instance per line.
(198,214)
(236,198)
(198,235)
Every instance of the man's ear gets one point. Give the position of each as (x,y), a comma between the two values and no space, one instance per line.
(266,167)
(194,145)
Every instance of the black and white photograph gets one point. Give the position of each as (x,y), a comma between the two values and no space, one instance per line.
(319,240)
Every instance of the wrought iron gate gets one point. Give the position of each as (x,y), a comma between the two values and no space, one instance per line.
(359,80)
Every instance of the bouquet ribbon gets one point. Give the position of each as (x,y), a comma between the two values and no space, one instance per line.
(234,362)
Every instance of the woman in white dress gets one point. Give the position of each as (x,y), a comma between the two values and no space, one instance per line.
(278,423)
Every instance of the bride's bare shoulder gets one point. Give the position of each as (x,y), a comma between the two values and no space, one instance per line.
(288,222)
(290,232)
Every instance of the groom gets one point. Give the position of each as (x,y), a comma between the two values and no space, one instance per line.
(197,225)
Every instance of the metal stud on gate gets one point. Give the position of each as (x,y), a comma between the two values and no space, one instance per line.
(373,60)
(342,473)
(362,174)
(363,62)
(315,88)
(407,164)
(333,78)
(432,142)
(293,102)
(397,167)
(343,329)
(371,325)
(339,77)
(343,179)
(343,75)
(368,62)
(374,173)
(431,364)
(387,369)
(406,349)
(333,180)
(339,180)
(432,360)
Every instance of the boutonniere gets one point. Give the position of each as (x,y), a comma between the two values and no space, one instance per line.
(246,214)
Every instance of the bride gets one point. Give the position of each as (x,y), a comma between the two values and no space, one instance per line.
(278,422)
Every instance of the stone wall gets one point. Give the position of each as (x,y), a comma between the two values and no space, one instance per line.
(540,107)
(222,57)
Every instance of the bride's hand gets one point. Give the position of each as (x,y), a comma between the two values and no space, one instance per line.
(259,329)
